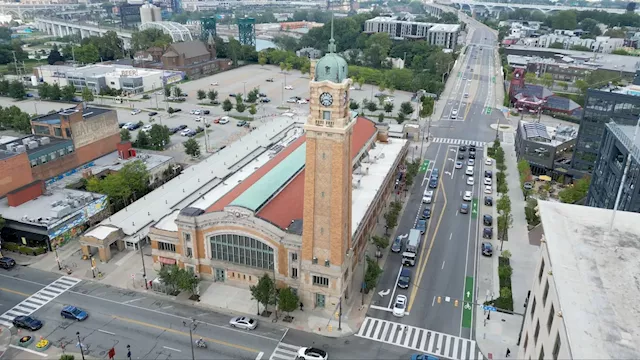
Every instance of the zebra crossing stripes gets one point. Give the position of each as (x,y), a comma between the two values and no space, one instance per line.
(34,302)
(419,339)
(458,142)
(285,352)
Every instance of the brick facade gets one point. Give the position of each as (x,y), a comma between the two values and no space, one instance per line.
(16,173)
(25,193)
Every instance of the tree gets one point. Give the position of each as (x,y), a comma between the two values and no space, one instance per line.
(142,140)
(556,45)
(388,107)
(55,92)
(360,81)
(227,105)
(288,300)
(564,20)
(427,107)
(381,242)
(547,80)
(262,58)
(143,40)
(67,357)
(371,274)
(252,109)
(202,94)
(16,90)
(616,33)
(263,292)
(177,92)
(282,66)
(371,106)
(186,280)
(377,48)
(406,108)
(252,96)
(87,95)
(241,107)
(530,78)
(391,219)
(54,56)
(238,98)
(44,90)
(381,118)
(504,204)
(159,136)
(135,177)
(87,54)
(353,105)
(212,95)
(575,192)
(401,117)
(167,90)
(68,92)
(125,135)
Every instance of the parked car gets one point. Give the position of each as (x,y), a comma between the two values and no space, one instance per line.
(462,148)
(460,156)
(400,306)
(488,174)
(488,162)
(427,198)
(173,130)
(262,95)
(396,247)
(135,111)
(433,183)
(311,353)
(302,101)
(7,262)
(426,213)
(470,180)
(223,120)
(471,161)
(199,118)
(185,132)
(488,181)
(194,112)
(146,128)
(487,220)
(270,80)
(153,113)
(215,83)
(464,208)
(175,110)
(487,233)
(27,322)
(488,189)
(458,164)
(243,322)
(75,313)
(404,279)
(423,357)
(206,112)
(291,100)
(487,248)
(467,196)
(422,225)
(191,133)
(182,127)
(288,87)
(472,154)
(265,100)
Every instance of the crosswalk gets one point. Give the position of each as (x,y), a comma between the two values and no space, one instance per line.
(39,299)
(419,339)
(285,352)
(477,144)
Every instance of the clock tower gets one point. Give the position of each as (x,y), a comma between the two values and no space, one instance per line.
(326,234)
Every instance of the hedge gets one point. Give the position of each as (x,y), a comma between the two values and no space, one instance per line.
(24,250)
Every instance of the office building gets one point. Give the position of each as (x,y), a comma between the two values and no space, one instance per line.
(617,151)
(547,149)
(443,35)
(618,104)
(582,299)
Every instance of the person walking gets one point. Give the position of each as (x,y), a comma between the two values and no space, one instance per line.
(508,353)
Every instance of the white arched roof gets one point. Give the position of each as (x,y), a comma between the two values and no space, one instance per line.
(177,31)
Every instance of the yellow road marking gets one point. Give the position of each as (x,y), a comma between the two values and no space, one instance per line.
(422,265)
(178,332)
(15,292)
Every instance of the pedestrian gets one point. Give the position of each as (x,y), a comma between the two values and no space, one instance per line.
(508,352)
(301,306)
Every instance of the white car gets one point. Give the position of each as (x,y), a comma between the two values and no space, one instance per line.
(199,118)
(146,128)
(400,306)
(471,162)
(488,189)
(291,100)
(311,353)
(160,92)
(288,87)
(194,112)
(302,101)
(427,197)
(458,164)
(185,132)
(215,83)
(352,88)
(488,181)
(488,162)
(243,322)
(466,196)
(470,180)
(127,125)
(224,120)
(135,111)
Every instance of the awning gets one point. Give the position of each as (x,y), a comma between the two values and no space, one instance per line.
(544,178)
(167,261)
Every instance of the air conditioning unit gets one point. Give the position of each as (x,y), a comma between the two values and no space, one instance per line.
(20,149)
(32,145)
(44,140)
(11,146)
(26,140)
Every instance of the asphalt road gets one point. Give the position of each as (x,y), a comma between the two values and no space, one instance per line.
(152,326)
(442,280)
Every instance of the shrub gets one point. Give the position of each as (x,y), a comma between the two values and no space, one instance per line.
(11,246)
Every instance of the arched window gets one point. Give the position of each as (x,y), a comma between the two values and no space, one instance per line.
(243,250)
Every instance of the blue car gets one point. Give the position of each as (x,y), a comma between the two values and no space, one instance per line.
(72,312)
(396,247)
(423,357)
(422,226)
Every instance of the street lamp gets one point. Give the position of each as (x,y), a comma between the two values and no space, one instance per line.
(244,88)
(144,270)
(80,344)
(57,257)
(192,327)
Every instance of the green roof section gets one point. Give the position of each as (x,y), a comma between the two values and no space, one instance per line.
(265,188)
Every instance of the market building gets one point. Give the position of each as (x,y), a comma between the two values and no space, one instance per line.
(284,212)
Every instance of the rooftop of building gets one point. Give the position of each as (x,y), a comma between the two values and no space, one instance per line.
(109,162)
(33,145)
(596,278)
(88,113)
(432,26)
(631,89)
(550,135)
(601,61)
(50,209)
(625,133)
(114,69)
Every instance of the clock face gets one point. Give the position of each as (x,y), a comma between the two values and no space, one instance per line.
(326,99)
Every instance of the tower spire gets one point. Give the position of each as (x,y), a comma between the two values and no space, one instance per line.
(332,42)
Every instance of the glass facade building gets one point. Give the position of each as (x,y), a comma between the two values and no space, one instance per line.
(242,250)
(616,152)
(600,108)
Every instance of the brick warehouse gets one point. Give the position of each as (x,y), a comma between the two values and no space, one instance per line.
(60,142)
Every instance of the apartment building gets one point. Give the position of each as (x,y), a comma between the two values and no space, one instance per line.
(443,35)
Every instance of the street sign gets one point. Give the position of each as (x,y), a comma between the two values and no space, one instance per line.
(474,208)
(489,308)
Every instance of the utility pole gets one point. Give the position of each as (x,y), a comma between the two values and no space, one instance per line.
(144,270)
(192,327)
(364,270)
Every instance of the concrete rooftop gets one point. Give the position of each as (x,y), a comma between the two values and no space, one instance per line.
(597,278)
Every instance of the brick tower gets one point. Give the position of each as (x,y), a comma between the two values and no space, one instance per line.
(326,235)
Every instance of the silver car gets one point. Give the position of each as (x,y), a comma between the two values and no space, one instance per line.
(243,322)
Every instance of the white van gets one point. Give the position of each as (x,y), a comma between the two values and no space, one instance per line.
(454,113)
(469,171)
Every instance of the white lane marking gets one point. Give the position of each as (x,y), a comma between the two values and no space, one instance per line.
(130,301)
(28,350)
(167,307)
(395,286)
(376,307)
(172,349)
(442,266)
(106,332)
(450,235)
(260,354)
(433,302)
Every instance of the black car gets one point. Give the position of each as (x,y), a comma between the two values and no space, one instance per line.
(487,220)
(7,263)
(175,110)
(262,95)
(487,233)
(472,155)
(173,130)
(435,174)
(488,174)
(206,112)
(153,113)
(462,148)
(460,156)
(487,248)
(232,95)
(433,183)
(472,148)
(120,125)
(27,322)
(182,127)
(270,80)
(426,214)
(488,201)
(265,100)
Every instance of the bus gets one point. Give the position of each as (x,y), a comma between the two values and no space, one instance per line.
(411,250)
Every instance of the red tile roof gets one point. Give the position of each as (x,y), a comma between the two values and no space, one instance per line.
(288,204)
